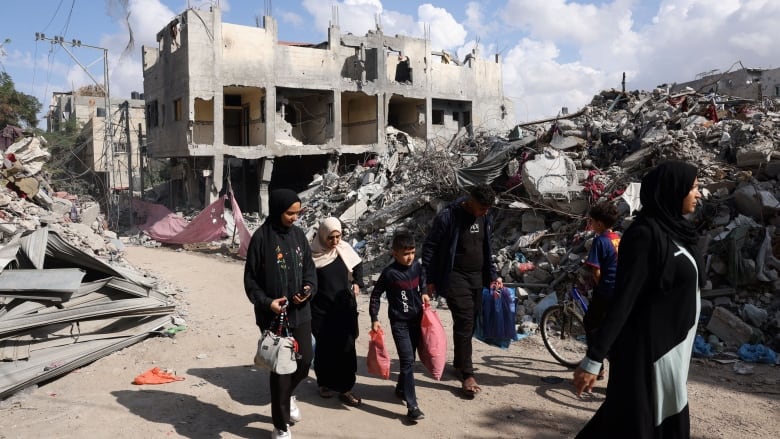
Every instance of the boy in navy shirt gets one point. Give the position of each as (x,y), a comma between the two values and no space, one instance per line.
(403,282)
(602,259)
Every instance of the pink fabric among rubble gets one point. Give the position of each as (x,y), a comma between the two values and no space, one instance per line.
(164,226)
(243,232)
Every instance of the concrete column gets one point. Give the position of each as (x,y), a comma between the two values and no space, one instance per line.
(382,101)
(428,118)
(217,178)
(270,116)
(337,123)
(264,175)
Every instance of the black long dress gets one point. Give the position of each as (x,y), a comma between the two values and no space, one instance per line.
(335,327)
(653,324)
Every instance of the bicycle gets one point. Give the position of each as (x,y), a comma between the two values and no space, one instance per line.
(562,327)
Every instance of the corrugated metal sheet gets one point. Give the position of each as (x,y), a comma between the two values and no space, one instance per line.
(56,284)
(54,320)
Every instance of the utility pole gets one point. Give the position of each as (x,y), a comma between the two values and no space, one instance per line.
(129,164)
(108,144)
(141,153)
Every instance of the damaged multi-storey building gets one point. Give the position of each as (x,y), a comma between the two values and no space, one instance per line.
(231,105)
(116,164)
(748,83)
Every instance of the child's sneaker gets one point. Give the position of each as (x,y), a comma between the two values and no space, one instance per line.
(415,414)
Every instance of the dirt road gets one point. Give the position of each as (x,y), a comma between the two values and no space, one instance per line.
(223,396)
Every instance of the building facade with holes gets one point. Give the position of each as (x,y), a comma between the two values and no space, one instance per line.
(109,166)
(232,105)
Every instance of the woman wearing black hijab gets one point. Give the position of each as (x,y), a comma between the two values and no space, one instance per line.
(280,271)
(650,326)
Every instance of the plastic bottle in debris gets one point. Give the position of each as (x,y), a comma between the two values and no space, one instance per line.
(74,214)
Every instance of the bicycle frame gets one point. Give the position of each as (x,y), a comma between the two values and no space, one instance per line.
(580,305)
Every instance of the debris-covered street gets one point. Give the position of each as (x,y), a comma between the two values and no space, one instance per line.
(91,298)
(223,396)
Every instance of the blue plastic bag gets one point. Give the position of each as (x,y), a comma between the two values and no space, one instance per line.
(757,353)
(701,348)
(498,317)
(496,324)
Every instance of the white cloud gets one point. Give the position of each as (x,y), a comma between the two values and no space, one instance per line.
(475,19)
(146,19)
(446,32)
(688,37)
(563,20)
(292,19)
(355,16)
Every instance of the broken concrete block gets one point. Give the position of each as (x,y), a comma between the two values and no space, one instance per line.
(60,206)
(755,154)
(729,328)
(636,159)
(353,212)
(89,213)
(757,204)
(753,314)
(772,169)
(565,142)
(390,214)
(550,174)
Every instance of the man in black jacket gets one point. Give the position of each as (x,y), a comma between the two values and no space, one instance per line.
(457,261)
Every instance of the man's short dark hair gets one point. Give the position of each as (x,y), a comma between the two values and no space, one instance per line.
(483,194)
(403,241)
(605,212)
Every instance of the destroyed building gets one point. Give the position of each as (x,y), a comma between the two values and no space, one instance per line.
(747,83)
(116,163)
(231,105)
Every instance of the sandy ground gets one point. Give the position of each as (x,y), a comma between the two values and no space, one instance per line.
(224,396)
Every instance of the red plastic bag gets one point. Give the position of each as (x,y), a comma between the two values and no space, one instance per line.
(156,376)
(433,343)
(378,359)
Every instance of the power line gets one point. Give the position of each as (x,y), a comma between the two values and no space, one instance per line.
(67,21)
(45,28)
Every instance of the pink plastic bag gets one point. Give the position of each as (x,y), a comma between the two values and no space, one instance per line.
(378,359)
(433,343)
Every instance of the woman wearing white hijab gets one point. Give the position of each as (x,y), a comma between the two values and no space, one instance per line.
(334,312)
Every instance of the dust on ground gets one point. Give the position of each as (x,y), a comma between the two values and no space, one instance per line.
(225,396)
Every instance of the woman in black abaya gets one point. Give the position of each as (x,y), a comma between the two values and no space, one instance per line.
(334,312)
(279,272)
(650,325)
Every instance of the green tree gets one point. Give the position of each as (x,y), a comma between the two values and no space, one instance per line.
(16,108)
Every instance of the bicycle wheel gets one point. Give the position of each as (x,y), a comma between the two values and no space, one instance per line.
(564,335)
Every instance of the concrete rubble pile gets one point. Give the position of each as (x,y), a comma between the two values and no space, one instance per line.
(65,297)
(554,170)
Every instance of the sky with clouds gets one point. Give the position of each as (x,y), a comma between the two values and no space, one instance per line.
(555,53)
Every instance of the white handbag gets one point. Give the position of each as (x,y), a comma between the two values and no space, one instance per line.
(277,350)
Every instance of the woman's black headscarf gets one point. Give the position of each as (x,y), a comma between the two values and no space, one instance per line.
(662,194)
(278,202)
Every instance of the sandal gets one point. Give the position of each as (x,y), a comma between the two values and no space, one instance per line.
(349,399)
(470,387)
(326,392)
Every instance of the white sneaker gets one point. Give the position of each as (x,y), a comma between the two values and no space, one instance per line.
(295,412)
(277,434)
